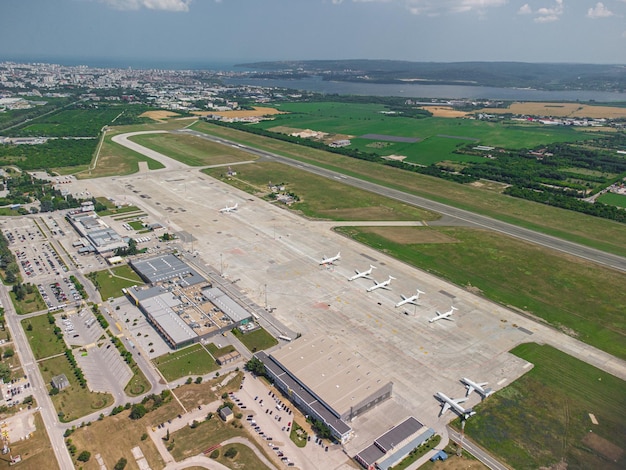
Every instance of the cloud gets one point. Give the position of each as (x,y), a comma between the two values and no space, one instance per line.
(543,14)
(165,5)
(599,11)
(437,7)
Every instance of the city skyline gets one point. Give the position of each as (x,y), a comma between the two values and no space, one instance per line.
(184,31)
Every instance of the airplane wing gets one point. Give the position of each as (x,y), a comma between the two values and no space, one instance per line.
(470,389)
(446,407)
(460,400)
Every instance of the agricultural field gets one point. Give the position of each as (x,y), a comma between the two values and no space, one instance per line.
(574,110)
(191,361)
(360,119)
(545,417)
(76,122)
(74,401)
(569,225)
(320,197)
(580,298)
(191,150)
(110,282)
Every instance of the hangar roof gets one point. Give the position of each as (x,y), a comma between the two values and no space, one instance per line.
(232,309)
(163,268)
(161,310)
(341,377)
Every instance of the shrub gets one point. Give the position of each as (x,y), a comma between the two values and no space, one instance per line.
(84,456)
(230,453)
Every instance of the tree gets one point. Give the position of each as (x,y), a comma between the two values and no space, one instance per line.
(8,352)
(84,456)
(121,464)
(230,453)
(199,380)
(5,373)
(255,366)
(137,411)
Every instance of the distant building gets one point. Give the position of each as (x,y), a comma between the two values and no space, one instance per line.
(229,357)
(60,382)
(339,143)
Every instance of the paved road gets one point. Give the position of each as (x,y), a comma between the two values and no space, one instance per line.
(476,451)
(607,259)
(39,390)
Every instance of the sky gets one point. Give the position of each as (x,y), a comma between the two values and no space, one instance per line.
(235,31)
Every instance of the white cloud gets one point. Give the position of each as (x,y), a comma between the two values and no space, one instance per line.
(166,5)
(543,14)
(437,7)
(599,11)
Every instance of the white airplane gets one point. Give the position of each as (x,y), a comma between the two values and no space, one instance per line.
(409,300)
(229,209)
(447,403)
(443,316)
(365,274)
(383,284)
(330,260)
(471,386)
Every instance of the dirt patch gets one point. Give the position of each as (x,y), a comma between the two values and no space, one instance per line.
(255,112)
(560,110)
(603,447)
(395,157)
(159,115)
(410,235)
(490,185)
(445,111)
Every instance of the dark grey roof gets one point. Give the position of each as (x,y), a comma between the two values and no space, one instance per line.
(162,268)
(369,455)
(329,416)
(398,434)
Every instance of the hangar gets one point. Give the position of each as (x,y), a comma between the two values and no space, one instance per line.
(327,380)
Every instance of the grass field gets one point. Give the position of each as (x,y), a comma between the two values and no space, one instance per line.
(74,401)
(192,150)
(591,231)
(543,417)
(116,160)
(245,459)
(115,436)
(578,297)
(32,303)
(43,341)
(320,197)
(111,282)
(192,361)
(613,199)
(359,119)
(72,123)
(256,340)
(36,452)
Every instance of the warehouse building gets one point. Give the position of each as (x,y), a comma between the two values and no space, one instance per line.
(327,381)
(393,446)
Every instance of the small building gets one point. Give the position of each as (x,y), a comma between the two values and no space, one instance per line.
(227,358)
(60,382)
(226,414)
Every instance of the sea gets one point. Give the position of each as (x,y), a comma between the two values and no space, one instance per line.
(317,84)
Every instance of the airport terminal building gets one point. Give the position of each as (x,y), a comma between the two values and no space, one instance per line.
(327,381)
(181,304)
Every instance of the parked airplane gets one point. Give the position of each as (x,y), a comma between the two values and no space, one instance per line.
(383,284)
(443,316)
(330,260)
(229,209)
(409,300)
(365,274)
(447,403)
(471,386)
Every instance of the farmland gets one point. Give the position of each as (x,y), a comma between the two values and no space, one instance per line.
(544,417)
(578,297)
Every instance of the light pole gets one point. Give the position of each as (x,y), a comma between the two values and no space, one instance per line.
(221,265)
(265,296)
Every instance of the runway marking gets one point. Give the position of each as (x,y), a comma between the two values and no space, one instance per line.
(527,365)
(501,381)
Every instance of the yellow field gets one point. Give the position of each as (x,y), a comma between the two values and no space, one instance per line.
(256,112)
(559,110)
(158,115)
(444,111)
